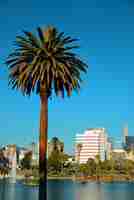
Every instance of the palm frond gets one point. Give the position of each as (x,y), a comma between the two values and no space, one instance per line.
(46,60)
(41,36)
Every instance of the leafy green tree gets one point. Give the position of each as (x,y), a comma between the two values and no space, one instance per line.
(84,170)
(98,168)
(79,148)
(54,162)
(26,161)
(91,167)
(106,166)
(128,167)
(45,63)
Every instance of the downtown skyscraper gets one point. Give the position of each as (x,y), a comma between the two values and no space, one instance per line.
(92,143)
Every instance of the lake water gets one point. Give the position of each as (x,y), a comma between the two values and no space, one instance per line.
(68,190)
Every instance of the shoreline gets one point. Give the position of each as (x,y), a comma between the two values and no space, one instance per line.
(60,178)
(100,179)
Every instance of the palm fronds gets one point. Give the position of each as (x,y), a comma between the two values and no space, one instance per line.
(45,60)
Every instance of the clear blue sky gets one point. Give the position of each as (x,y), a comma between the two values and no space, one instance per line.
(106,32)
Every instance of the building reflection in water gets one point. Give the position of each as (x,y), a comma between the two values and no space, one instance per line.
(103,191)
(2,190)
(11,192)
(68,190)
(7,191)
(88,191)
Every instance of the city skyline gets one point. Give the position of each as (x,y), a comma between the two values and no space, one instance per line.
(117,141)
(106,34)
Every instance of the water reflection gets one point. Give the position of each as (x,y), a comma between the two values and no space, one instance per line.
(89,191)
(11,192)
(2,189)
(116,191)
(7,190)
(60,190)
(104,191)
(24,192)
(68,190)
(56,190)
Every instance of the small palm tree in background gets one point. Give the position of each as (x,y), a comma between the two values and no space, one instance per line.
(46,64)
(79,148)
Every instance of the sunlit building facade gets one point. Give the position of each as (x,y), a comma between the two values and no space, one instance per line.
(92,143)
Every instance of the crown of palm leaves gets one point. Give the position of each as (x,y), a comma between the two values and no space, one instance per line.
(45,62)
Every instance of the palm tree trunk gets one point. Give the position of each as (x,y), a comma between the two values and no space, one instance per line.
(43,146)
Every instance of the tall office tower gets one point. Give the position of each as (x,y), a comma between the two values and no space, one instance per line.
(91,144)
(125,134)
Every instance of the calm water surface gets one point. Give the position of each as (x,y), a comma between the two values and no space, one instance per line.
(68,190)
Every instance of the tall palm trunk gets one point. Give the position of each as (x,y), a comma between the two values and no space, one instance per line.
(43,146)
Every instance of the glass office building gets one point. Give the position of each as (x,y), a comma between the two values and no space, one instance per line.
(117,143)
(130,142)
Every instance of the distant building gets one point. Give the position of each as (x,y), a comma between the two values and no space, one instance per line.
(125,134)
(21,154)
(93,142)
(34,147)
(129,142)
(11,154)
(117,143)
(119,154)
(108,149)
(4,161)
(55,144)
(130,155)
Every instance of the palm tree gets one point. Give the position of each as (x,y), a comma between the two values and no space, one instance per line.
(98,169)
(45,63)
(79,148)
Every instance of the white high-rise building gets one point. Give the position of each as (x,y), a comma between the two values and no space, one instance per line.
(92,143)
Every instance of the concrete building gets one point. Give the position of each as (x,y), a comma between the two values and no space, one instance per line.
(119,154)
(91,143)
(130,156)
(11,154)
